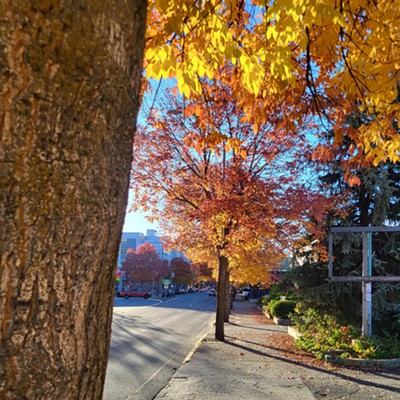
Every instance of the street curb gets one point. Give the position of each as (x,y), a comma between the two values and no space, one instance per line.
(197,345)
(364,362)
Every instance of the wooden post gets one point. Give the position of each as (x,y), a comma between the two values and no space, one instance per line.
(366,278)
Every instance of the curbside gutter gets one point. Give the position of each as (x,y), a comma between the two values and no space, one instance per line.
(197,345)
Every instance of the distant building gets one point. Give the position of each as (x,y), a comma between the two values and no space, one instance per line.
(132,240)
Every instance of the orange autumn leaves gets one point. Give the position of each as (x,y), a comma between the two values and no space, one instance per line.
(240,197)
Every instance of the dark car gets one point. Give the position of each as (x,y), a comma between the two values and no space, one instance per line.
(133,293)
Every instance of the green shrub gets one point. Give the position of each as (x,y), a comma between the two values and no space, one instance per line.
(278,293)
(282,308)
(265,300)
(290,294)
(322,334)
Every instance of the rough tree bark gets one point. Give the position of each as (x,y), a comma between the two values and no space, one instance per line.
(69,94)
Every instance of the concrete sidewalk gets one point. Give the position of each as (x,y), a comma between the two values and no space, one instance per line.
(248,365)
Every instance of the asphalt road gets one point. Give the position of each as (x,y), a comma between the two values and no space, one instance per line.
(151,339)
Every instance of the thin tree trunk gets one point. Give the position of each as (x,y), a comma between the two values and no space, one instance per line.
(221,287)
(227,298)
(69,94)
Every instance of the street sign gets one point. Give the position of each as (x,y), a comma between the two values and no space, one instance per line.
(166,281)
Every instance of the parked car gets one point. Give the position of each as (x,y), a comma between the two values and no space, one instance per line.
(212,292)
(169,293)
(133,293)
(246,293)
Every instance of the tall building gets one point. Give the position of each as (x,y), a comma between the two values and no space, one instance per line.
(132,240)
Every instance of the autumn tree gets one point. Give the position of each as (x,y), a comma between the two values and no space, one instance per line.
(183,273)
(203,272)
(69,84)
(221,202)
(331,57)
(144,266)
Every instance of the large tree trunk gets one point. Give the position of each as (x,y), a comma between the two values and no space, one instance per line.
(69,94)
(221,288)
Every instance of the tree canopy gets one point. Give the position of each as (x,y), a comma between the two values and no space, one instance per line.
(143,265)
(183,272)
(237,198)
(331,58)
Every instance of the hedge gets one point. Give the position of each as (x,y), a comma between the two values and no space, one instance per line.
(282,308)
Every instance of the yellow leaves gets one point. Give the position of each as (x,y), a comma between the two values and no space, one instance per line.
(353,50)
(161,62)
(232,144)
(162,5)
(380,141)
(394,108)
(281,69)
(320,12)
(272,32)
(187,83)
(326,42)
(253,74)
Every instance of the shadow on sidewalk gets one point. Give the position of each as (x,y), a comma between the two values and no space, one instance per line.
(310,367)
(270,328)
(262,345)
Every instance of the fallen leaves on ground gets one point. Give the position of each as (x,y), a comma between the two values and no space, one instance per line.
(280,343)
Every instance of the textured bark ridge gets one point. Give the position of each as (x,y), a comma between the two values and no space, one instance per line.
(69,93)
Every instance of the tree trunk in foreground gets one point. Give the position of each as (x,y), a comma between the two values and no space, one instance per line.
(69,94)
(221,288)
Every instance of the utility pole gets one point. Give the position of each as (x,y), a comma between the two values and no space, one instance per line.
(367,285)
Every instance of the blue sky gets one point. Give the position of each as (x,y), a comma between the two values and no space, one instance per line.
(136,222)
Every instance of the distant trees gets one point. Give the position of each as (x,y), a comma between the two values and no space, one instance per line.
(183,273)
(144,267)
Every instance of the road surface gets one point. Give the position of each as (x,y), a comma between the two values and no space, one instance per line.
(151,339)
